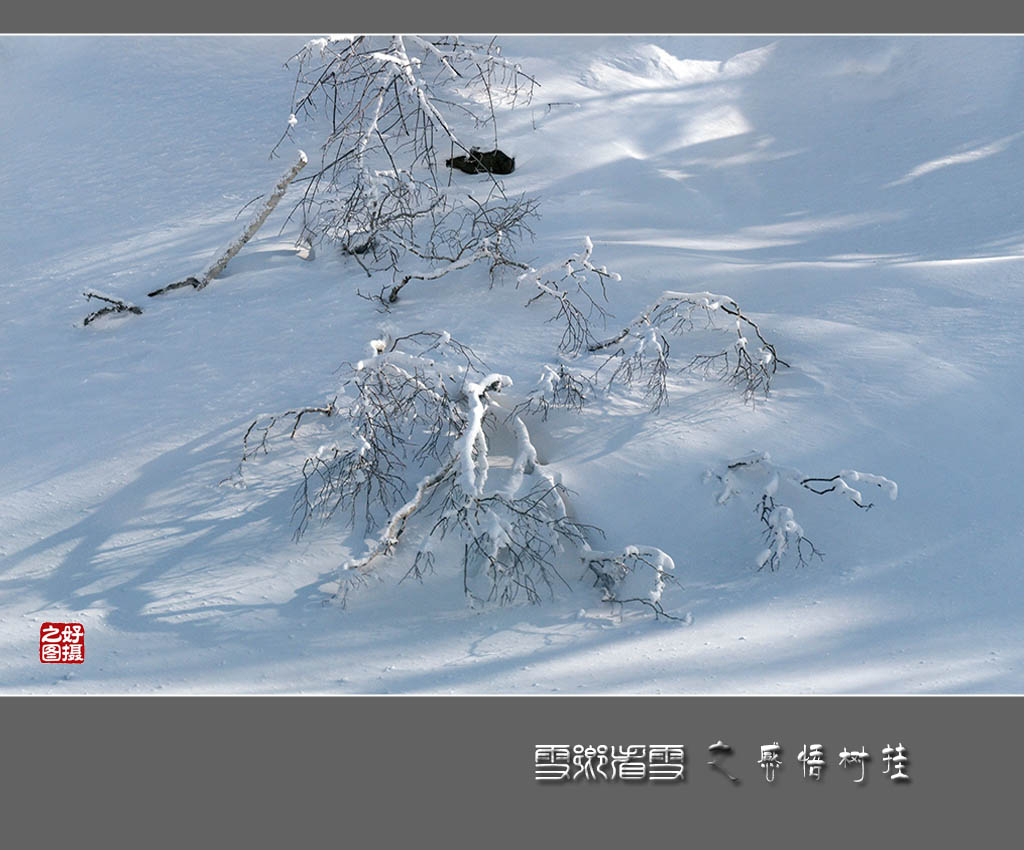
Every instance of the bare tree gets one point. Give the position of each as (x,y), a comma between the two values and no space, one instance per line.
(389,105)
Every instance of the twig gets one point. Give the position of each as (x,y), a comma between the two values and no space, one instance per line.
(115,305)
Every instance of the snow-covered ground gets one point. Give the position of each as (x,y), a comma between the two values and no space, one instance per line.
(860,197)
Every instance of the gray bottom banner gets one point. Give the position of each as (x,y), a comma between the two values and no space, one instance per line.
(512,771)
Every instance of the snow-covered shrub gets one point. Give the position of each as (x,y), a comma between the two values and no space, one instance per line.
(391,109)
(402,406)
(423,407)
(633,575)
(557,388)
(640,354)
(756,476)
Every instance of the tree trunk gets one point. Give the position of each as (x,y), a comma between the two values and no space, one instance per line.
(255,223)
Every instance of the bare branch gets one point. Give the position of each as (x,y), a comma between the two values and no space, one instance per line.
(225,256)
(392,102)
(640,352)
(571,292)
(756,474)
(114,305)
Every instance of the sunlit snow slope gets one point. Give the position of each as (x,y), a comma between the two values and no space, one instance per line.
(861,197)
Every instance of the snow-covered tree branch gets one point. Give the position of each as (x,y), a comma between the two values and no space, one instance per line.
(756,476)
(634,575)
(414,423)
(387,106)
(557,388)
(255,222)
(567,283)
(408,409)
(422,407)
(639,353)
(480,232)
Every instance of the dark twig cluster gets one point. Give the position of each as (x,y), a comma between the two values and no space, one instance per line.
(114,305)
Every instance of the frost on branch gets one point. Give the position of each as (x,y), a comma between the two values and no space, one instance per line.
(422,408)
(756,476)
(461,237)
(513,535)
(391,109)
(408,409)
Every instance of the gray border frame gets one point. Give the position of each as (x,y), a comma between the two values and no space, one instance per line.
(522,17)
(284,772)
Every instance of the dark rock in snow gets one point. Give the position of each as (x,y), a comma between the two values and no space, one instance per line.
(477,161)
